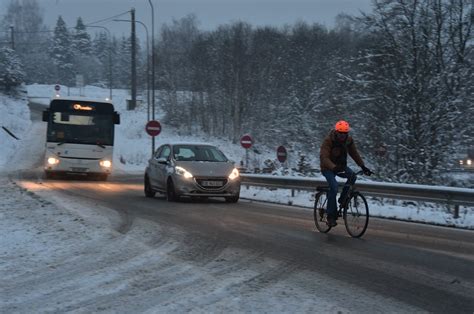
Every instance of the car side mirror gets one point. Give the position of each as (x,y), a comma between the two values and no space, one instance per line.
(46,115)
(116,118)
(162,160)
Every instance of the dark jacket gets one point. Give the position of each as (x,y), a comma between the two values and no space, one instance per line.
(333,154)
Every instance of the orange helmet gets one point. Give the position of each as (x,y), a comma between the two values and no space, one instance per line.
(342,126)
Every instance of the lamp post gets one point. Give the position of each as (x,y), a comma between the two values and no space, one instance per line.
(110,55)
(147,64)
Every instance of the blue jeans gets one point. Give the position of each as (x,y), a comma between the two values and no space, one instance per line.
(331,178)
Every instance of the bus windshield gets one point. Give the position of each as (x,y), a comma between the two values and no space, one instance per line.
(81,128)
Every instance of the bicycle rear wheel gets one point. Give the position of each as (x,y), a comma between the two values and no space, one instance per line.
(356,215)
(320,216)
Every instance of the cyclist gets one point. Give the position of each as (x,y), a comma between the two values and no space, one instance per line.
(333,161)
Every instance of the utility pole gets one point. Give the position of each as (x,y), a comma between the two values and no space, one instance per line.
(12,31)
(152,70)
(134,67)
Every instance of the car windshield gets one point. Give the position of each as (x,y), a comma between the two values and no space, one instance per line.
(198,153)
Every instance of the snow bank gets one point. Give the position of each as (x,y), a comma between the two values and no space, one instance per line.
(15,116)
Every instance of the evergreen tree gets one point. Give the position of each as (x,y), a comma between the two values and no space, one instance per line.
(81,39)
(123,70)
(31,38)
(62,53)
(11,69)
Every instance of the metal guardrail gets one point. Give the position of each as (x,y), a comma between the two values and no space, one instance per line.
(426,193)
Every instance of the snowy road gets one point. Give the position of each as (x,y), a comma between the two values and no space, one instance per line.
(94,246)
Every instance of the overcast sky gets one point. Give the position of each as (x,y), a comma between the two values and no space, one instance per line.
(210,13)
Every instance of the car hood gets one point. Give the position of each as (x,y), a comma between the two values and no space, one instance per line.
(207,169)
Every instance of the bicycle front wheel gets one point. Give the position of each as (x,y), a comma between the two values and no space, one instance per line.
(320,216)
(356,215)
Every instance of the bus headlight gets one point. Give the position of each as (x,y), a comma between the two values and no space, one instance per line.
(234,174)
(53,161)
(469,162)
(105,163)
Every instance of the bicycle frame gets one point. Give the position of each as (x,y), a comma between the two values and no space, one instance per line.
(351,214)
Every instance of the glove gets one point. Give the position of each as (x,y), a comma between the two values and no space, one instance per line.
(367,171)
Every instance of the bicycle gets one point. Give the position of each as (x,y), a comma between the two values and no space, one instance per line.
(353,209)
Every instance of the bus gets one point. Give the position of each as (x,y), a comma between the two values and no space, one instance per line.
(80,137)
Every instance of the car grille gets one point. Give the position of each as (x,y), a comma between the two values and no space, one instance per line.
(213,184)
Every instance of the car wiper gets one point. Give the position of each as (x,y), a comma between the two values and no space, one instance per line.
(60,143)
(100,145)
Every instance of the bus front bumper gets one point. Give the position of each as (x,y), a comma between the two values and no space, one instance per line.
(76,166)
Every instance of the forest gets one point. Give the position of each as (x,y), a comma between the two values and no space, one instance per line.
(402,75)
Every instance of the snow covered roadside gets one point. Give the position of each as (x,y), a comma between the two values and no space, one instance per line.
(408,211)
(16,118)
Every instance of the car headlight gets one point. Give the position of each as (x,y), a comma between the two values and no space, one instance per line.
(234,174)
(461,162)
(53,161)
(105,163)
(183,172)
(469,162)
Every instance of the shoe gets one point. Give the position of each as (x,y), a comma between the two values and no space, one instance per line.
(331,222)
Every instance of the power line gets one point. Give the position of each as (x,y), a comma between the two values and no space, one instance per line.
(71,27)
(109,18)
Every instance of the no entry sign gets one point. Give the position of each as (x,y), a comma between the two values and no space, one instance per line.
(153,128)
(281,153)
(57,87)
(246,141)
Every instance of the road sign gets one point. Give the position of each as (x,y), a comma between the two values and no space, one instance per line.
(281,153)
(246,141)
(153,128)
(57,87)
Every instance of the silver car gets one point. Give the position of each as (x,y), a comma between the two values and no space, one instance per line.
(195,170)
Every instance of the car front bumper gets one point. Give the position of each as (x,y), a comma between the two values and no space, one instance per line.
(192,187)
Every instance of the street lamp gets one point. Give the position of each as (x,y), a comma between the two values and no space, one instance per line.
(147,65)
(110,55)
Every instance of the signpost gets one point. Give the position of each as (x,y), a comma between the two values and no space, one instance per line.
(281,154)
(153,128)
(246,141)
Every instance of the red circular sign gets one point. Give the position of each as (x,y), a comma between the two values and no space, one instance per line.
(246,141)
(57,87)
(153,128)
(281,153)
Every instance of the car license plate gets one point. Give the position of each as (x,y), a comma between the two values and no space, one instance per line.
(76,169)
(212,183)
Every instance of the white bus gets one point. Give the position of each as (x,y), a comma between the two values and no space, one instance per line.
(80,137)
